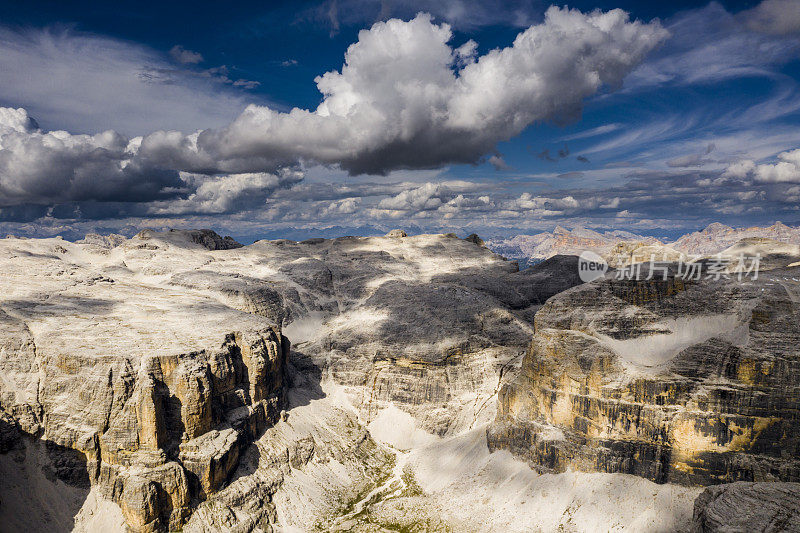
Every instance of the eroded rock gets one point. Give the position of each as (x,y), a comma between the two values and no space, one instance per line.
(744,507)
(692,382)
(143,392)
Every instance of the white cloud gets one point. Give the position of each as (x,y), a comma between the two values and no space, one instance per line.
(428,196)
(498,162)
(740,169)
(52,167)
(87,83)
(345,206)
(404,99)
(400,102)
(184,56)
(786,170)
(776,17)
(225,194)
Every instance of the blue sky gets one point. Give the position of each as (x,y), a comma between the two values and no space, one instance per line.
(682,114)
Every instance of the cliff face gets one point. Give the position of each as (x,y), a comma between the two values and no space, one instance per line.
(143,393)
(686,382)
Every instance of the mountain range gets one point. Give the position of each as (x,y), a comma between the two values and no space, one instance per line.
(180,381)
(530,249)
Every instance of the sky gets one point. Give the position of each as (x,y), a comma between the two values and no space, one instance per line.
(296,119)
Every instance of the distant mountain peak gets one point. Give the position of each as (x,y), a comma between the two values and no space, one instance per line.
(716,227)
(560,230)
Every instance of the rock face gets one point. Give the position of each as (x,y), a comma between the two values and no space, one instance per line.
(426,322)
(692,382)
(144,392)
(743,507)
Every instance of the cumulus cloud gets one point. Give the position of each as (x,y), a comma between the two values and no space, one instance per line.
(38,167)
(400,100)
(786,170)
(52,167)
(226,194)
(425,197)
(404,99)
(345,206)
(498,162)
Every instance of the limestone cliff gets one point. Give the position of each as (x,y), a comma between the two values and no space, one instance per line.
(693,382)
(145,394)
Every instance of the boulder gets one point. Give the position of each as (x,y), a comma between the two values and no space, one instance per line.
(744,507)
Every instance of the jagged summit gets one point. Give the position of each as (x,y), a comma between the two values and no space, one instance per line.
(559,230)
(717,237)
(717,227)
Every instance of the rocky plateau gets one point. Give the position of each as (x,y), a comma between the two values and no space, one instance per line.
(181,381)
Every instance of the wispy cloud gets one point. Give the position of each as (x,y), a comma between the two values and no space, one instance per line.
(87,83)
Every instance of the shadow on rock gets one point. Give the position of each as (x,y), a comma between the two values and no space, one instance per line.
(42,485)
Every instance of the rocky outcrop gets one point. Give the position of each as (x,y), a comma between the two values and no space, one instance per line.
(426,322)
(693,382)
(473,238)
(172,432)
(206,238)
(146,394)
(744,507)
